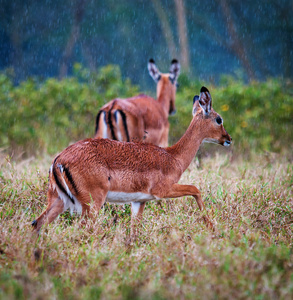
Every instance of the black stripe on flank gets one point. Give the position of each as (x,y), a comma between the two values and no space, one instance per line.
(124,123)
(70,179)
(97,121)
(55,160)
(110,122)
(60,186)
(111,126)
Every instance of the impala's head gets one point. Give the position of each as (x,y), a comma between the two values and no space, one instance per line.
(166,83)
(213,128)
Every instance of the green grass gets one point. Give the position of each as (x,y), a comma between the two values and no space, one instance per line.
(175,256)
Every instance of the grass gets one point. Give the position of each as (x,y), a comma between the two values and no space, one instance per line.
(175,256)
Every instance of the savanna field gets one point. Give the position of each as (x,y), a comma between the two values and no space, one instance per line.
(247,190)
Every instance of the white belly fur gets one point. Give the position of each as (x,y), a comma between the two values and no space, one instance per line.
(124,198)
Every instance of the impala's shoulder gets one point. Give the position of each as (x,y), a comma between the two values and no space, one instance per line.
(157,150)
(141,147)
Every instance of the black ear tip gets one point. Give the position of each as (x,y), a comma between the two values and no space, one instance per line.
(152,61)
(174,61)
(196,98)
(204,89)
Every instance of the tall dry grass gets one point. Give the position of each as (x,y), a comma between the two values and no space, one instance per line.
(175,255)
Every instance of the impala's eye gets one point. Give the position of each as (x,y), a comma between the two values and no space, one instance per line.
(219,120)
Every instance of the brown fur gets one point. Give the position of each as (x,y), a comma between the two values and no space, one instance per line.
(98,166)
(146,119)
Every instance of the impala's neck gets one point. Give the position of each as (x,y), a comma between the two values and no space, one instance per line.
(186,148)
(164,94)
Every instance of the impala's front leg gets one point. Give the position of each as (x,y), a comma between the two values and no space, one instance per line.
(136,216)
(178,190)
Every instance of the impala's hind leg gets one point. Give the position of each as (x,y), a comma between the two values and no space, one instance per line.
(91,203)
(54,208)
(136,216)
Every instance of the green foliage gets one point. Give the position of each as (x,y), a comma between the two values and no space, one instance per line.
(47,116)
(258,115)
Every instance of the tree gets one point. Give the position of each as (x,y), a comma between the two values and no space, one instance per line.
(237,46)
(74,35)
(183,35)
(166,28)
(181,29)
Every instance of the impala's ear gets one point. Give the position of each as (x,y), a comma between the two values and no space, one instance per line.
(205,100)
(196,98)
(174,70)
(195,104)
(153,70)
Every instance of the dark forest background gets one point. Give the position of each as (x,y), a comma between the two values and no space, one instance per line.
(60,61)
(210,38)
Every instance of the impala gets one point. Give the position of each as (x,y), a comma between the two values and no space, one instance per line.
(92,171)
(142,117)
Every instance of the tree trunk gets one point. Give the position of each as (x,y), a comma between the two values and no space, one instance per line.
(166,29)
(237,46)
(91,62)
(183,35)
(17,39)
(73,37)
(287,42)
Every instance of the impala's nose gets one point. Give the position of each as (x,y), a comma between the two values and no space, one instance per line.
(227,143)
(172,113)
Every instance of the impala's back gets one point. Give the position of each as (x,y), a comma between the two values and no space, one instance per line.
(141,118)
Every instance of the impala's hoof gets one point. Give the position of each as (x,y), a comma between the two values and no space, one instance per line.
(34,223)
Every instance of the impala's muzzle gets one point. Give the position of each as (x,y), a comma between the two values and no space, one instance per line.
(172,108)
(172,113)
(228,141)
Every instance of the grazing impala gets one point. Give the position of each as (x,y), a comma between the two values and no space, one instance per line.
(141,117)
(92,171)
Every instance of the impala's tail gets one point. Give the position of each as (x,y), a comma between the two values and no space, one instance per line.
(101,124)
(61,179)
(111,123)
(121,127)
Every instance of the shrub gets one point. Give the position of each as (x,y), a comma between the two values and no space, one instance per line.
(258,115)
(47,116)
